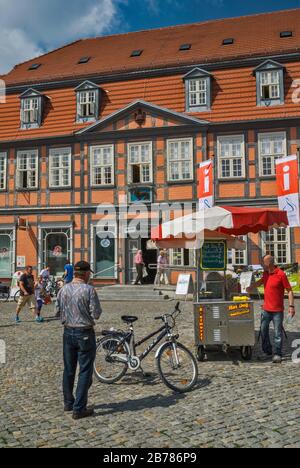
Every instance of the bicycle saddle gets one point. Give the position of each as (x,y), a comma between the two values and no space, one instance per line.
(129,318)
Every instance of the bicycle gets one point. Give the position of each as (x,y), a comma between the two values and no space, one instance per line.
(116,353)
(4,292)
(52,287)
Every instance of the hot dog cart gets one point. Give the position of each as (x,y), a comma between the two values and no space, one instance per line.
(223,318)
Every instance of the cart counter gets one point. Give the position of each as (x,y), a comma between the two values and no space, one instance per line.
(224,323)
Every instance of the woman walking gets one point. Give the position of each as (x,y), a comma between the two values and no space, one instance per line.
(139,265)
(162,264)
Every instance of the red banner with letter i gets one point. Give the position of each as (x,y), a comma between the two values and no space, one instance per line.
(287,177)
(205,185)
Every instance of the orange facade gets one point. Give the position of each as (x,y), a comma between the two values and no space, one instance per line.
(139,114)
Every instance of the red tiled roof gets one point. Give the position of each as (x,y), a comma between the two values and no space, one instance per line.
(254,35)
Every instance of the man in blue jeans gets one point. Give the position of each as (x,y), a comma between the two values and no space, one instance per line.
(79,307)
(275,283)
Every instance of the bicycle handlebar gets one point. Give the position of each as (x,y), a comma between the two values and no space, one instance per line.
(163,317)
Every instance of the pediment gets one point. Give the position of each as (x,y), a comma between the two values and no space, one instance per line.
(142,114)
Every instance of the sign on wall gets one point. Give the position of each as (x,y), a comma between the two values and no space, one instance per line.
(21,262)
(287,177)
(205,185)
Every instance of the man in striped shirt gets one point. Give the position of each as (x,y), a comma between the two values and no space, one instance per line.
(79,307)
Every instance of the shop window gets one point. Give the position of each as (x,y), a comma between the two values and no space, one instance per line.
(56,249)
(238,257)
(182,257)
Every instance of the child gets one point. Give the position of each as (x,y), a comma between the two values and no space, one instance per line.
(39,292)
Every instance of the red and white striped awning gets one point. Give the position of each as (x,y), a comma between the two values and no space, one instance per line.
(229,220)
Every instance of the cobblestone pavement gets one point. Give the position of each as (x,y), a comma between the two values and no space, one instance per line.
(235,404)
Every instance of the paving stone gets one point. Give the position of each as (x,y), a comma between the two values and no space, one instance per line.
(252,404)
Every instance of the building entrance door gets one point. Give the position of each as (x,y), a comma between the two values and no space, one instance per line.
(132,246)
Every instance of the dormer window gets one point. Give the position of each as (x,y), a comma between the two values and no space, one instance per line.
(31,109)
(87,102)
(270,83)
(198,90)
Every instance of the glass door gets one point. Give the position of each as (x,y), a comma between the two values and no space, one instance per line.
(6,254)
(105,257)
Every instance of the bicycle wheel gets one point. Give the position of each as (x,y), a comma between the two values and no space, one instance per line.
(107,368)
(4,296)
(17,295)
(177,367)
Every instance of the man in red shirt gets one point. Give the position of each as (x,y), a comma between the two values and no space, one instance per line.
(275,283)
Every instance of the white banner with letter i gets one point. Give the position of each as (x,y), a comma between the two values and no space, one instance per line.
(287,178)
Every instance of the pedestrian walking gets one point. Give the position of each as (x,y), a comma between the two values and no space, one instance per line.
(79,307)
(139,265)
(45,276)
(162,264)
(275,283)
(27,297)
(69,272)
(40,295)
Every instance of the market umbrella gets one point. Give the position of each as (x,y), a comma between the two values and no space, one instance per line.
(230,220)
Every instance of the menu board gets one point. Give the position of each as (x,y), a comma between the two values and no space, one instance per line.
(213,256)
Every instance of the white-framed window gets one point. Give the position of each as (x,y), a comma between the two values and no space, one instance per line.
(60,167)
(271,146)
(182,257)
(198,92)
(27,169)
(3,170)
(102,165)
(30,110)
(87,103)
(231,156)
(277,242)
(238,257)
(270,84)
(140,165)
(180,159)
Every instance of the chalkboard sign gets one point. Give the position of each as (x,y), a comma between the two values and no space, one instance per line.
(213,256)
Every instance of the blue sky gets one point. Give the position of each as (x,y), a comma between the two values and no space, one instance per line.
(32,27)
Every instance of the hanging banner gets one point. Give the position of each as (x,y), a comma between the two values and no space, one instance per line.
(205,185)
(287,177)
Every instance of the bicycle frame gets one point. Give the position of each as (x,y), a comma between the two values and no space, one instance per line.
(129,337)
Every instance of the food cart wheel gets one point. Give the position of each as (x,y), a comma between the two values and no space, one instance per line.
(201,354)
(246,352)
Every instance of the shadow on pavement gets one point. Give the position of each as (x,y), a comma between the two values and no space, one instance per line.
(153,401)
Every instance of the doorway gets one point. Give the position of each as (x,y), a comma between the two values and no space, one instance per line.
(149,256)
